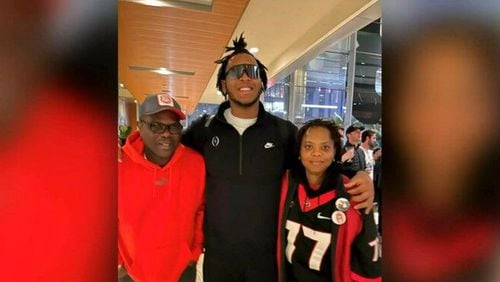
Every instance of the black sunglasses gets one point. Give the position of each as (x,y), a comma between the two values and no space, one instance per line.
(159,128)
(236,72)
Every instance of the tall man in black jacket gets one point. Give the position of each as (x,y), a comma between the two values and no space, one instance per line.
(246,151)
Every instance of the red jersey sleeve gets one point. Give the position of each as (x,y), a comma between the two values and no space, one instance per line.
(367,252)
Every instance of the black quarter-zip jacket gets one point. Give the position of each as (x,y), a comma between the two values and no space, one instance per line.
(244,174)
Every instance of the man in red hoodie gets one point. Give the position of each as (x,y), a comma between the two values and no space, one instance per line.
(161,186)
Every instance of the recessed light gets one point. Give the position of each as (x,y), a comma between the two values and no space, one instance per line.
(154,3)
(205,5)
(254,50)
(162,70)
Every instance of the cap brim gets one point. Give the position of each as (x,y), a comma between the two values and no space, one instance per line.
(177,112)
(352,129)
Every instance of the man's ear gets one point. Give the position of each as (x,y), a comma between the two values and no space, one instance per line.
(223,86)
(224,89)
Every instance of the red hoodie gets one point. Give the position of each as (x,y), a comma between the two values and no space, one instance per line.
(160,212)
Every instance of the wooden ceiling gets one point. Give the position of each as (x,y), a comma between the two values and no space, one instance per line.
(179,39)
(288,33)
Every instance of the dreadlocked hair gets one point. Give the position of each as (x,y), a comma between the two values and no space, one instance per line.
(239,47)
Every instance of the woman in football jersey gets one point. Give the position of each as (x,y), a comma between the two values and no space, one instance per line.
(321,236)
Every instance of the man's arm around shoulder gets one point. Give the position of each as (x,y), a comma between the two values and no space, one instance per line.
(195,134)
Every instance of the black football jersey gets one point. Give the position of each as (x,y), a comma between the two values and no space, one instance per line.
(309,237)
(325,242)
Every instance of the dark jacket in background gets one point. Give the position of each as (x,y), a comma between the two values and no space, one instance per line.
(358,162)
(377,176)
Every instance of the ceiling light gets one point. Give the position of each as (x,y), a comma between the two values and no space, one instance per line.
(162,70)
(203,5)
(254,50)
(154,3)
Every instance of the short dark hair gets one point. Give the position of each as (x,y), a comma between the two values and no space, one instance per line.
(367,133)
(239,47)
(354,127)
(333,177)
(331,126)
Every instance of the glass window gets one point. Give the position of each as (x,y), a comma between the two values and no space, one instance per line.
(318,88)
(202,109)
(276,98)
(367,97)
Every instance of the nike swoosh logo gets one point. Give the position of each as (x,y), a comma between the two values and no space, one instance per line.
(323,217)
(268,145)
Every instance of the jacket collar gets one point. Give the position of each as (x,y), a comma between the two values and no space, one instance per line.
(225,105)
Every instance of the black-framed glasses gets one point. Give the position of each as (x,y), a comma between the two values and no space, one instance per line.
(159,128)
(236,72)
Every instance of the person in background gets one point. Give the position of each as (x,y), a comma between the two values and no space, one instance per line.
(321,236)
(377,153)
(161,186)
(368,141)
(353,133)
(377,173)
(377,176)
(247,151)
(349,153)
